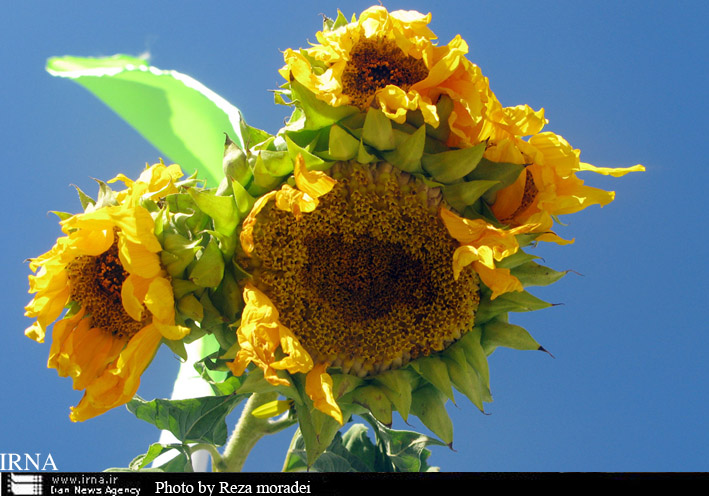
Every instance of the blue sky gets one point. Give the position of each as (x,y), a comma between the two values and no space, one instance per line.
(625,82)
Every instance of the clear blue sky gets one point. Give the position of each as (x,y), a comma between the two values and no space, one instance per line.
(625,82)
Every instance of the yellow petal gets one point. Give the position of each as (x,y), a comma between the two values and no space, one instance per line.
(318,386)
(610,171)
(120,381)
(499,280)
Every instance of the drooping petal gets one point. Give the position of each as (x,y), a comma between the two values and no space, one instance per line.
(120,381)
(318,386)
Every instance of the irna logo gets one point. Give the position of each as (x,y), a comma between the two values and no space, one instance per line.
(20,462)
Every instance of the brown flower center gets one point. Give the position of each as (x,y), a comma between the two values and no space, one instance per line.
(528,197)
(374,64)
(365,282)
(96,284)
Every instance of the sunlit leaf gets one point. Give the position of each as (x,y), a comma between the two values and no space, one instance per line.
(177,114)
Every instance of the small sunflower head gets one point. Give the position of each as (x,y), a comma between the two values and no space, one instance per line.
(122,269)
(390,61)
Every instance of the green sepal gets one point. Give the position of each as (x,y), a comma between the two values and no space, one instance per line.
(434,370)
(476,358)
(342,145)
(177,347)
(533,274)
(270,168)
(85,199)
(332,24)
(312,162)
(221,209)
(363,156)
(192,420)
(428,404)
(235,163)
(497,333)
(514,301)
(62,215)
(106,196)
(208,268)
(448,167)
(182,287)
(396,384)
(408,153)
(377,131)
(190,307)
(505,173)
(228,297)
(344,383)
(318,114)
(244,201)
(460,195)
(463,376)
(375,400)
(178,252)
(515,260)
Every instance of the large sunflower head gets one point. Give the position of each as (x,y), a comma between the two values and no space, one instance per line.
(107,271)
(389,60)
(364,292)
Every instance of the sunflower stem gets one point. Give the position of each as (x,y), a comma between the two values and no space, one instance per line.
(248,431)
(286,462)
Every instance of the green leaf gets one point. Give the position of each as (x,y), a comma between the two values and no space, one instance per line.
(348,453)
(354,451)
(177,114)
(404,450)
(192,420)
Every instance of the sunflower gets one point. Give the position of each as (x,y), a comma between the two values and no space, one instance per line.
(388,60)
(548,186)
(107,271)
(361,270)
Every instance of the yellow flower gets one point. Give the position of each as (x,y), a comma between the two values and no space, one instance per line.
(389,60)
(365,280)
(481,245)
(548,186)
(107,270)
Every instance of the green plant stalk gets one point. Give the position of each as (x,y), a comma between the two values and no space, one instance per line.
(248,431)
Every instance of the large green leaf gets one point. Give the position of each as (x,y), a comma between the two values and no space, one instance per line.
(180,116)
(193,420)
(354,451)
